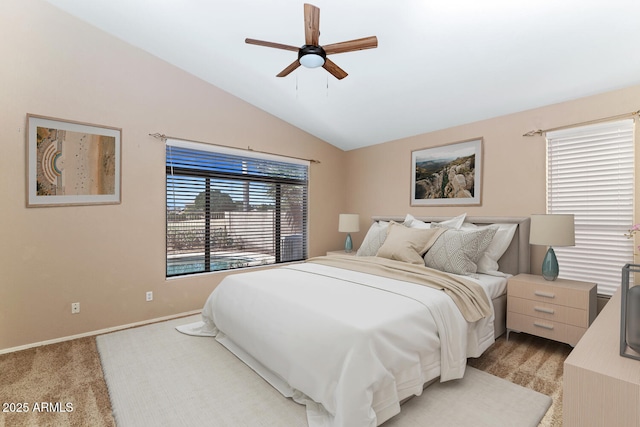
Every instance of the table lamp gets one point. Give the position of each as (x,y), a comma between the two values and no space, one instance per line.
(552,230)
(349,223)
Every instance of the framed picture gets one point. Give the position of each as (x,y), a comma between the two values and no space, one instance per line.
(71,163)
(447,175)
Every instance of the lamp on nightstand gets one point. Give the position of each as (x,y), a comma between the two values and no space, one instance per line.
(552,230)
(349,223)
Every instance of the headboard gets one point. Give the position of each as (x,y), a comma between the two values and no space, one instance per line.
(516,258)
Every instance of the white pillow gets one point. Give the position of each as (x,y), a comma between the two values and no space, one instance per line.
(456,222)
(374,239)
(458,251)
(488,263)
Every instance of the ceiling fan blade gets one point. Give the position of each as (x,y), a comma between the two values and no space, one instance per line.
(336,71)
(311,24)
(295,64)
(351,45)
(271,44)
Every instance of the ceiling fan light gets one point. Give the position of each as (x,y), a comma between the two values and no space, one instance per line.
(312,60)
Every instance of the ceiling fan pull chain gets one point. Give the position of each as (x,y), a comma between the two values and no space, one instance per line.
(327,85)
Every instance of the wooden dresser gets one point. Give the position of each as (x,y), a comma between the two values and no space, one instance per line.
(600,387)
(560,310)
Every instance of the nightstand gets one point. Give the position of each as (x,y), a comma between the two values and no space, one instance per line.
(560,310)
(341,252)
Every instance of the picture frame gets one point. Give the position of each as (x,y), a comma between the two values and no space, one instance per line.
(447,175)
(72,163)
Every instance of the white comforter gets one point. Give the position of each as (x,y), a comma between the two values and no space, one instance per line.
(350,345)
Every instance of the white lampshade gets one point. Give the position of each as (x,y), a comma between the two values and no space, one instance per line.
(311,60)
(552,230)
(349,223)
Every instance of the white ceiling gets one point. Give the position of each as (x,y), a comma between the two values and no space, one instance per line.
(439,63)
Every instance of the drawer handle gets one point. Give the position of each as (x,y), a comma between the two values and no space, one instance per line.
(544,294)
(543,325)
(544,310)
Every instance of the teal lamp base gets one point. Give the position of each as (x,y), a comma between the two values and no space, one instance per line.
(550,267)
(348,244)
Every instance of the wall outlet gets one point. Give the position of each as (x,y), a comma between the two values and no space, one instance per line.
(149,296)
(75,307)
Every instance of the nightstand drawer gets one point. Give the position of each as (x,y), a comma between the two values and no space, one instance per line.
(548,293)
(545,328)
(553,312)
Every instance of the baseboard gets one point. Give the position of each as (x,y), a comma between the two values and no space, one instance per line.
(99,332)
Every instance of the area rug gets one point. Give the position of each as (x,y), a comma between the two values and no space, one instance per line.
(161,377)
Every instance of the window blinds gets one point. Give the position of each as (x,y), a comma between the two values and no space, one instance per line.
(230,208)
(590,173)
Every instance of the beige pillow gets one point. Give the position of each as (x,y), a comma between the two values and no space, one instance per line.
(408,244)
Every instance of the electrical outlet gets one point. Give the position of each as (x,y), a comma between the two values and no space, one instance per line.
(75,307)
(149,296)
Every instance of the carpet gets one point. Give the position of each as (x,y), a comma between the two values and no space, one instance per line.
(158,376)
(67,374)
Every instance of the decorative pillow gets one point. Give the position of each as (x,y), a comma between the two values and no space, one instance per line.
(412,222)
(488,262)
(408,244)
(458,251)
(374,239)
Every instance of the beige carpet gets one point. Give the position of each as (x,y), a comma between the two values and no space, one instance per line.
(67,372)
(157,376)
(71,372)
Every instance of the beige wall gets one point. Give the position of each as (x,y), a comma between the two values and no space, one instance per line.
(107,257)
(514,166)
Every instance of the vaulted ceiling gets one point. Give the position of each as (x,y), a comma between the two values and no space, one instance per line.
(439,63)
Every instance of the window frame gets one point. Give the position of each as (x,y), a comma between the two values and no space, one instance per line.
(176,173)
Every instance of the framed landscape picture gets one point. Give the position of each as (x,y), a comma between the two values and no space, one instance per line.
(71,163)
(447,175)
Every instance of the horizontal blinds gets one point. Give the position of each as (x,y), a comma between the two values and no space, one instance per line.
(591,175)
(229,210)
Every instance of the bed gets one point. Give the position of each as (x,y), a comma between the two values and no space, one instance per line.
(352,337)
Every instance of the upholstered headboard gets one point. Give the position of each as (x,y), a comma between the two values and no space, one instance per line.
(516,258)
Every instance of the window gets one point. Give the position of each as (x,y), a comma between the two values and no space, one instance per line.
(590,173)
(231,208)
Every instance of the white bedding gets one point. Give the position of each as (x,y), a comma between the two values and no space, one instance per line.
(494,286)
(351,347)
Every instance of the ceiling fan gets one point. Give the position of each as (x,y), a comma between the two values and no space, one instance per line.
(311,54)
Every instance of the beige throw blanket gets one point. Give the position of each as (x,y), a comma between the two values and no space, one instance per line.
(470,298)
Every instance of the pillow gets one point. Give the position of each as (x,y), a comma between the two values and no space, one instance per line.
(488,262)
(455,222)
(458,251)
(374,239)
(408,244)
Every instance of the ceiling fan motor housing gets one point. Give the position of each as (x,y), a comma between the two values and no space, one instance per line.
(308,49)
